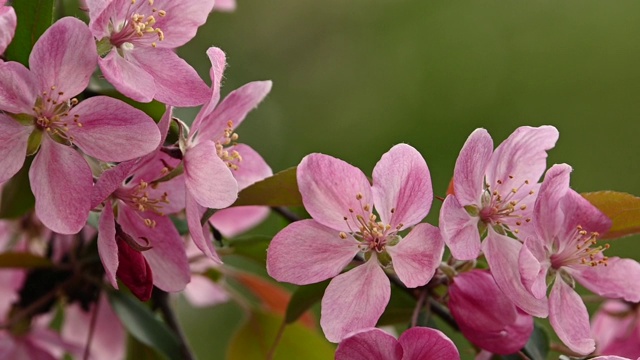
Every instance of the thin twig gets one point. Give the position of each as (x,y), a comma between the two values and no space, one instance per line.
(161,300)
(287,214)
(418,308)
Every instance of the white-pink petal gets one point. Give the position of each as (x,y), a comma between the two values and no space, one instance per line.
(459,230)
(619,279)
(369,344)
(569,318)
(107,246)
(208,178)
(8,21)
(416,257)
(200,235)
(127,76)
(18,88)
(549,217)
(202,292)
(236,220)
(471,165)
(218,63)
(13,146)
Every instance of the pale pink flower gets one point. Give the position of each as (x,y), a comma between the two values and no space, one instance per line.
(494,191)
(8,23)
(225,5)
(215,167)
(202,291)
(616,329)
(341,201)
(37,108)
(564,249)
(417,343)
(137,41)
(485,316)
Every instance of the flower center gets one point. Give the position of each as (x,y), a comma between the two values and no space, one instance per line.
(501,204)
(229,138)
(52,114)
(581,249)
(139,198)
(137,28)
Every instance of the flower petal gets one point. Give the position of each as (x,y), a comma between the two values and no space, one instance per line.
(127,76)
(177,82)
(18,88)
(427,343)
(8,22)
(471,165)
(369,344)
(306,252)
(459,230)
(329,189)
(237,220)
(548,215)
(401,188)
(569,318)
(64,58)
(580,212)
(61,182)
(202,292)
(107,246)
(110,181)
(218,63)
(208,178)
(13,146)
(112,130)
(619,279)
(199,233)
(354,300)
(416,257)
(181,21)
(252,168)
(534,263)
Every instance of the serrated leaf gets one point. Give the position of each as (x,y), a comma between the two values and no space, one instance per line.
(17,198)
(256,337)
(303,299)
(34,18)
(280,189)
(252,247)
(144,325)
(23,260)
(622,208)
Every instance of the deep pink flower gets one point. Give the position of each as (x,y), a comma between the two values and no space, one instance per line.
(8,23)
(417,343)
(564,249)
(616,329)
(485,316)
(136,41)
(215,167)
(341,201)
(38,109)
(494,191)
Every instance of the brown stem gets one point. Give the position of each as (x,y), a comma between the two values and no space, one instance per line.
(161,300)
(287,214)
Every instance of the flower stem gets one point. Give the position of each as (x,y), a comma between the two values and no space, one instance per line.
(161,300)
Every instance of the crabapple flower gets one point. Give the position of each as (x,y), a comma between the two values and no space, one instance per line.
(341,201)
(494,190)
(8,23)
(225,5)
(616,329)
(563,250)
(417,343)
(215,166)
(38,111)
(485,316)
(137,41)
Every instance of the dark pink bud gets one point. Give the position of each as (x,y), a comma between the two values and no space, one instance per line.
(133,270)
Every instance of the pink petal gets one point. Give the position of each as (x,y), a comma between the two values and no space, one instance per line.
(569,318)
(523,155)
(427,343)
(548,215)
(8,21)
(234,221)
(218,63)
(354,300)
(234,108)
(459,230)
(112,130)
(202,292)
(200,233)
(13,146)
(64,56)
(533,262)
(252,168)
(416,257)
(402,190)
(225,5)
(502,255)
(580,212)
(107,246)
(127,76)
(182,20)
(181,86)
(18,88)
(619,279)
(471,165)
(167,257)
(369,344)
(110,181)
(329,189)
(61,182)
(306,252)
(208,178)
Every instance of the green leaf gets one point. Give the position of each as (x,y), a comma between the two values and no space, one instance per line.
(280,189)
(34,17)
(303,299)
(256,337)
(252,247)
(622,208)
(537,348)
(144,325)
(23,260)
(139,351)
(16,197)
(399,309)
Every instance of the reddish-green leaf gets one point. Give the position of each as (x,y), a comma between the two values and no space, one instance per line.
(280,189)
(23,260)
(622,208)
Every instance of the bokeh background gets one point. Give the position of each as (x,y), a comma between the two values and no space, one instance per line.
(352,78)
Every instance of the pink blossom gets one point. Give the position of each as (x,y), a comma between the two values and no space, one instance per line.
(202,291)
(137,41)
(494,190)
(485,316)
(616,329)
(215,166)
(225,5)
(417,343)
(8,23)
(341,201)
(564,249)
(39,111)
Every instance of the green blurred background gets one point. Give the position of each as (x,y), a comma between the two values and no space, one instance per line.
(352,78)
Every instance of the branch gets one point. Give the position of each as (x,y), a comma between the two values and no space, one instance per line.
(161,300)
